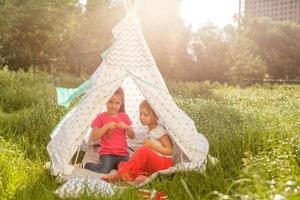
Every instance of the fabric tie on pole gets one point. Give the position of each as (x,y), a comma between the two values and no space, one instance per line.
(105,54)
(66,95)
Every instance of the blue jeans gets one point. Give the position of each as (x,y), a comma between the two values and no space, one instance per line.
(107,163)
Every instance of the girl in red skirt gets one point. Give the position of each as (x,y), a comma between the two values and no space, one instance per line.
(154,155)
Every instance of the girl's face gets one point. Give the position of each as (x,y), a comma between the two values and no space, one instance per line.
(147,118)
(114,104)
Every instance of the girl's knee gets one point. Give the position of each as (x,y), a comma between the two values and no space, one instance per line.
(105,167)
(91,166)
(88,165)
(100,168)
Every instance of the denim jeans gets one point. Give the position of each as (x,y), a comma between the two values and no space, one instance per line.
(107,163)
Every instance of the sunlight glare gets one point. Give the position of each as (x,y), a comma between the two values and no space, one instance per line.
(83,2)
(199,12)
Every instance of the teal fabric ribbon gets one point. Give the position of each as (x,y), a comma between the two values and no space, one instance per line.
(105,53)
(66,95)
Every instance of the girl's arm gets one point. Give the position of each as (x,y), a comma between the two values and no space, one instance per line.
(98,132)
(129,129)
(130,132)
(167,147)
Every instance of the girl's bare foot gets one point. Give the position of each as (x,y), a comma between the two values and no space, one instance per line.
(140,179)
(111,178)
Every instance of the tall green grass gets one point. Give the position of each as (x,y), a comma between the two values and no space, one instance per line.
(252,131)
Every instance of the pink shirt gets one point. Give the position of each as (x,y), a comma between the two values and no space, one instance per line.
(116,144)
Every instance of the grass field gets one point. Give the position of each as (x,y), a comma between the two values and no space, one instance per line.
(253,131)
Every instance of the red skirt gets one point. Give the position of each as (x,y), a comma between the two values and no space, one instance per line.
(143,162)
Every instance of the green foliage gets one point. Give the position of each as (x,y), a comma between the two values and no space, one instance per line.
(18,174)
(82,50)
(192,88)
(258,126)
(271,173)
(277,45)
(34,32)
(244,64)
(28,109)
(210,47)
(252,131)
(70,37)
(17,89)
(236,54)
(55,36)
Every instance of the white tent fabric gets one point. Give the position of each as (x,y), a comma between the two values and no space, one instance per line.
(131,65)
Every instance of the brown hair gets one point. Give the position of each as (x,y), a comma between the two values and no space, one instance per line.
(145,104)
(120,92)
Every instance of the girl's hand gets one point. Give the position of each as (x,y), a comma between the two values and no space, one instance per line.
(122,125)
(111,125)
(148,143)
(129,129)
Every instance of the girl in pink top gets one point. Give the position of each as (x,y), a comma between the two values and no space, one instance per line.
(154,155)
(111,128)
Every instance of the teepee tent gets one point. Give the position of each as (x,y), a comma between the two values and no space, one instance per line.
(131,65)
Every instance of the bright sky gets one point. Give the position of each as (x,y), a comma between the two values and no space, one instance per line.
(199,12)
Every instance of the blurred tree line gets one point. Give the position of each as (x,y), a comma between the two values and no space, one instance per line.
(66,36)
